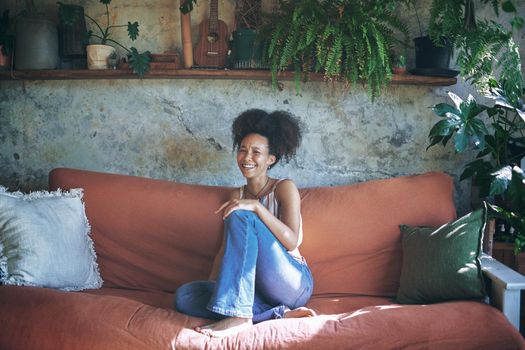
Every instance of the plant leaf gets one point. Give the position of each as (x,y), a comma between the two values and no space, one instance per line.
(139,62)
(461,139)
(508,6)
(441,109)
(501,180)
(133,30)
(456,99)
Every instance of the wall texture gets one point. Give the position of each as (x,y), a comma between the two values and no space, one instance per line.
(180,129)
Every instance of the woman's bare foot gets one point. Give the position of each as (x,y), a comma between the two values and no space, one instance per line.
(228,326)
(299,312)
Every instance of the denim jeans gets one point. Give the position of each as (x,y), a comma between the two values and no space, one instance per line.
(258,277)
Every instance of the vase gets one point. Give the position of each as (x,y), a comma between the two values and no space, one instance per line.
(36,44)
(97,56)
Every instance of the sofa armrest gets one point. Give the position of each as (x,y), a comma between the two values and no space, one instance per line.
(506,286)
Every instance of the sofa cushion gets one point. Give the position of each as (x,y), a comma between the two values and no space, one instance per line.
(44,241)
(50,319)
(156,234)
(351,233)
(443,263)
(148,234)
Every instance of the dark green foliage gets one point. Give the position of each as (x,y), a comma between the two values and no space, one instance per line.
(187,6)
(496,167)
(346,40)
(482,45)
(139,62)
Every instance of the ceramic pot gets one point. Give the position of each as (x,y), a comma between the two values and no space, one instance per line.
(246,51)
(97,56)
(36,44)
(399,70)
(429,55)
(5,60)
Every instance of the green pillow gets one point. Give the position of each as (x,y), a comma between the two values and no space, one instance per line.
(441,264)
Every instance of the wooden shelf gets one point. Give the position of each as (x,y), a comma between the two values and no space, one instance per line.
(197,74)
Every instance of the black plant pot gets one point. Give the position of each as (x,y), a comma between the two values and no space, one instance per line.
(72,38)
(428,55)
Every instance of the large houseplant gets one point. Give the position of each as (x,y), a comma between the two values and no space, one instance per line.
(485,48)
(139,62)
(346,40)
(496,169)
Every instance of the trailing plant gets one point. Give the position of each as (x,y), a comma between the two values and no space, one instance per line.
(139,62)
(482,46)
(346,40)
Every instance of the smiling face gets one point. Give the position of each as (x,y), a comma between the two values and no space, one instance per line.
(253,156)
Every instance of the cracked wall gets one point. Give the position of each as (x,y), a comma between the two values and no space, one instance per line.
(180,129)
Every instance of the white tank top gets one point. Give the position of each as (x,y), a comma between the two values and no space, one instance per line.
(270,202)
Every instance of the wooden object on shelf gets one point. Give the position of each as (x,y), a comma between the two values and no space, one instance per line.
(212,48)
(198,74)
(160,61)
(185,30)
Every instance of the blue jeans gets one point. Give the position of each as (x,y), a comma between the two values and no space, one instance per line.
(258,278)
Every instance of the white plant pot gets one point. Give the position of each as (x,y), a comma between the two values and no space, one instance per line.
(97,56)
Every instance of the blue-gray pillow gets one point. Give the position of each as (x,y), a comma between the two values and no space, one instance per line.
(45,242)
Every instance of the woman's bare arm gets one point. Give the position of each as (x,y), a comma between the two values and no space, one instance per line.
(286,229)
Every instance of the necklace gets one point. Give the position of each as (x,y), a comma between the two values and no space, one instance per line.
(260,191)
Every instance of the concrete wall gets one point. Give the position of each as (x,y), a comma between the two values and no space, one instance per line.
(180,129)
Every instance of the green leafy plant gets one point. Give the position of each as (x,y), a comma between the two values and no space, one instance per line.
(7,39)
(400,61)
(346,40)
(501,146)
(138,61)
(482,46)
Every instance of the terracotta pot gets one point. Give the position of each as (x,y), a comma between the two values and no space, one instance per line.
(5,61)
(399,70)
(97,56)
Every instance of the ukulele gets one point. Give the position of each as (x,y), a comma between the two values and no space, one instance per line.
(212,48)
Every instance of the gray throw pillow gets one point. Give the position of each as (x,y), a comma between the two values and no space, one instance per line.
(45,242)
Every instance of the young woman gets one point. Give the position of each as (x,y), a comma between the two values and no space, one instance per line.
(258,273)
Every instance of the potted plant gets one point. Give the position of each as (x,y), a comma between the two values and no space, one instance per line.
(246,49)
(346,40)
(399,65)
(496,169)
(7,40)
(98,53)
(477,42)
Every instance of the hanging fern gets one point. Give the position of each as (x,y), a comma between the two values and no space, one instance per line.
(481,48)
(346,40)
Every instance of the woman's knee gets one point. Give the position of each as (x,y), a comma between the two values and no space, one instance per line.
(241,215)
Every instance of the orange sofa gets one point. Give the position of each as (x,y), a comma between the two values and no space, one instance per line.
(151,236)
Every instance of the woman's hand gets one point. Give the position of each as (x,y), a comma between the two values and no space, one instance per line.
(238,204)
